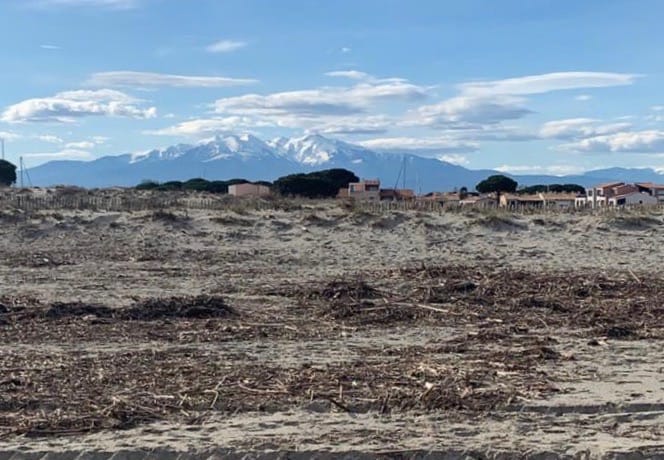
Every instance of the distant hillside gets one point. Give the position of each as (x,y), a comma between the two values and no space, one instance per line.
(251,158)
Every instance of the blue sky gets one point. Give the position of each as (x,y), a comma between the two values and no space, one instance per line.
(537,86)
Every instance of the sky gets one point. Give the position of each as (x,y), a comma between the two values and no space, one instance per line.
(537,86)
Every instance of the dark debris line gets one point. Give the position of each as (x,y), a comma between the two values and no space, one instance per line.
(506,318)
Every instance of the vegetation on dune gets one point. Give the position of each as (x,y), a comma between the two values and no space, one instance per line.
(197,184)
(497,184)
(553,188)
(7,173)
(319,184)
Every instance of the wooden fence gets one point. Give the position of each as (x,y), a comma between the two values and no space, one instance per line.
(430,206)
(127,203)
(133,202)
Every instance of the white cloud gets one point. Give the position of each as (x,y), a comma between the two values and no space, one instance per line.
(147,79)
(67,106)
(345,50)
(544,83)
(51,139)
(455,159)
(657,108)
(583,97)
(326,101)
(100,139)
(422,145)
(225,46)
(110,4)
(9,136)
(484,103)
(647,141)
(367,105)
(66,154)
(50,47)
(82,145)
(579,128)
(352,74)
(463,111)
(326,109)
(372,124)
(496,133)
(206,127)
(554,170)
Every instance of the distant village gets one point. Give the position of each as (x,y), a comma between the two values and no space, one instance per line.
(612,194)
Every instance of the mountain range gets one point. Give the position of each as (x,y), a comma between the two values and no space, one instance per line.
(248,157)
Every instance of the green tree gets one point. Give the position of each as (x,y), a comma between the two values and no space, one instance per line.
(170,185)
(319,184)
(573,188)
(198,184)
(7,173)
(339,177)
(554,188)
(497,183)
(147,185)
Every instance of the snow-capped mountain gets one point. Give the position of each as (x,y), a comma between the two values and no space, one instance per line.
(246,156)
(244,146)
(316,150)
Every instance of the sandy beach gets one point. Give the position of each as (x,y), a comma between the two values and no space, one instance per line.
(331,330)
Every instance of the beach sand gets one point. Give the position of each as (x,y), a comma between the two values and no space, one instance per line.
(330,330)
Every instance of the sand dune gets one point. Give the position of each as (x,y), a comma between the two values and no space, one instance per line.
(327,329)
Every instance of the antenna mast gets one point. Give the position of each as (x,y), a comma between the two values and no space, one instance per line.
(404,172)
(21,165)
(2,142)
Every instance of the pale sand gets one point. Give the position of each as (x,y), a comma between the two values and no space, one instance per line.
(613,398)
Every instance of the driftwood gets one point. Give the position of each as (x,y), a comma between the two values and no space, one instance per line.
(191,367)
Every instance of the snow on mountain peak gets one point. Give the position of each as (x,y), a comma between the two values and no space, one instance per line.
(168,153)
(315,150)
(310,150)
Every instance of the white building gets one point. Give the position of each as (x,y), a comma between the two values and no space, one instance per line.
(622,194)
(633,199)
(655,190)
(597,196)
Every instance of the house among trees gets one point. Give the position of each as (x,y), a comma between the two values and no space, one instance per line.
(538,200)
(252,190)
(369,190)
(478,201)
(396,194)
(445,199)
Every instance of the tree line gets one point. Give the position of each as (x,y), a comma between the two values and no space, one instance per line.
(197,184)
(502,184)
(319,184)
